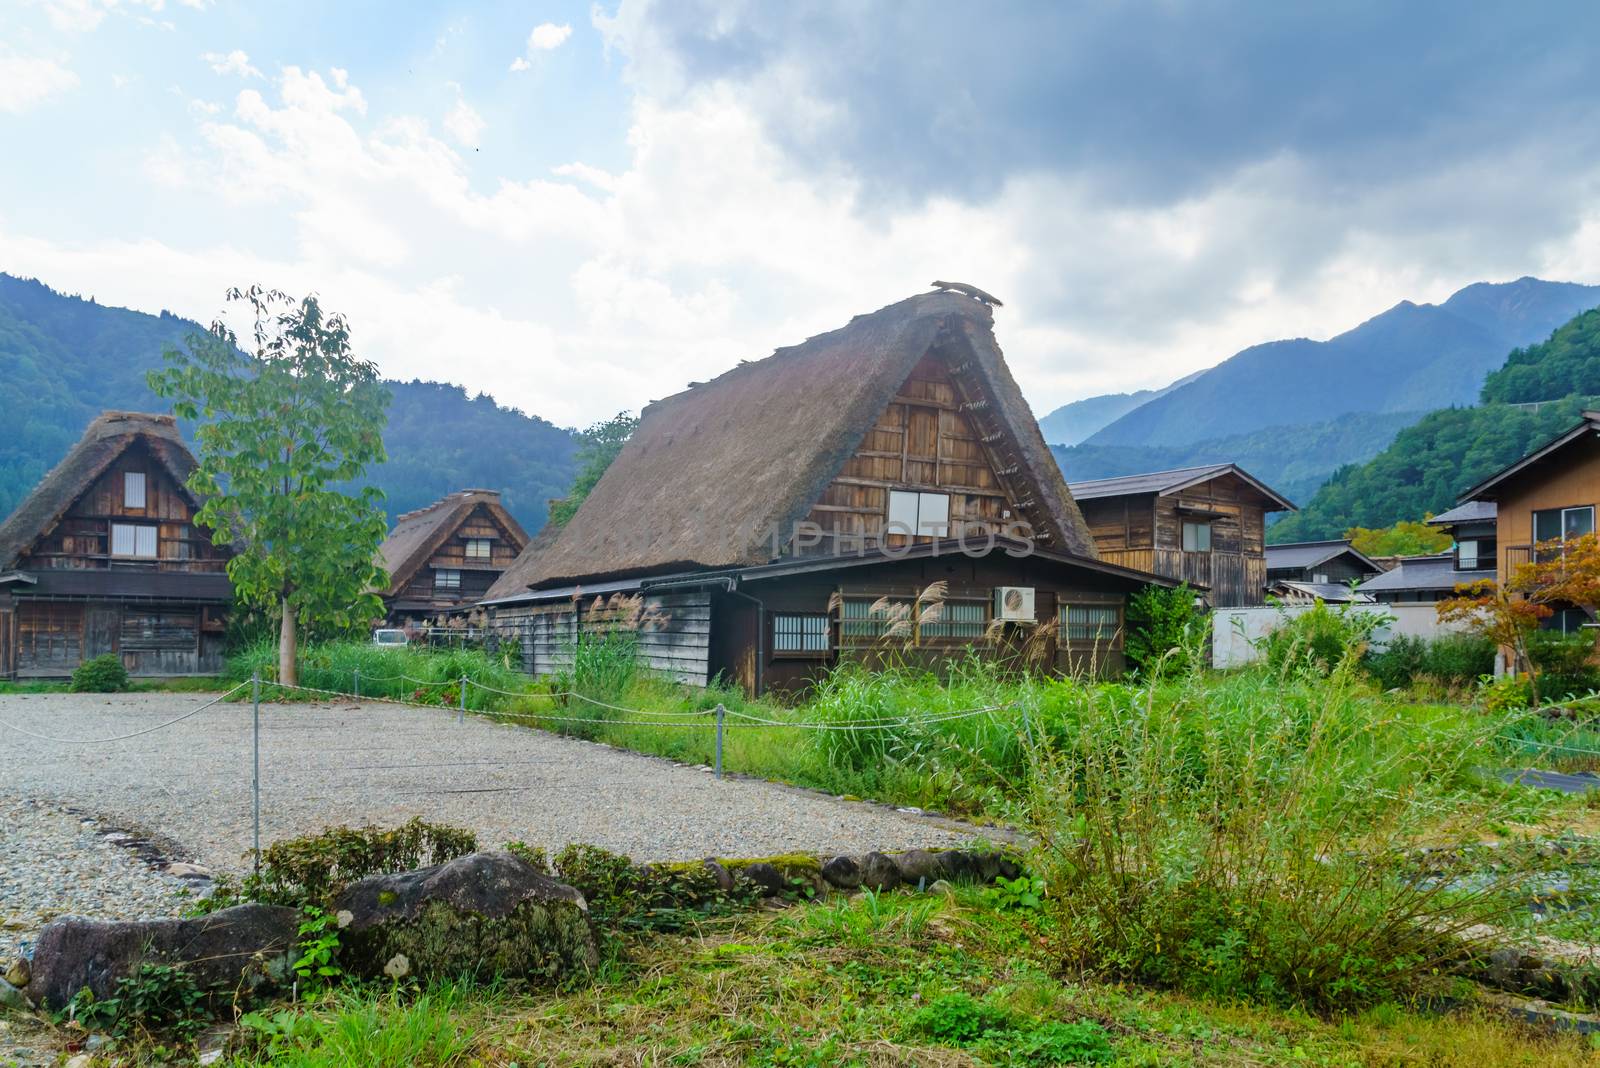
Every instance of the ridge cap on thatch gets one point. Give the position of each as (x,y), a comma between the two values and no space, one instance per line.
(712,470)
(107,437)
(417,534)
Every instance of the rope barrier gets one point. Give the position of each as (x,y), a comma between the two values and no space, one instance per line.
(134,734)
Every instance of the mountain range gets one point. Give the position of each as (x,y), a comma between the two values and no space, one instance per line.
(64,359)
(1291,412)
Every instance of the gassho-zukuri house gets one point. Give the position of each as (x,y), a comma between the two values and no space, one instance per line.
(882,489)
(104,557)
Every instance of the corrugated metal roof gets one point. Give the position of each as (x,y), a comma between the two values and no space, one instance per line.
(1437,572)
(1327,592)
(1471,512)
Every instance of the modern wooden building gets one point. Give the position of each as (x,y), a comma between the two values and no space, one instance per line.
(104,557)
(1202,525)
(1547,497)
(882,488)
(447,555)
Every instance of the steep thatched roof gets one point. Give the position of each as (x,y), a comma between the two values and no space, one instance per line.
(108,437)
(712,471)
(417,535)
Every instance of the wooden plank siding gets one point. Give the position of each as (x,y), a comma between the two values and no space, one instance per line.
(1145,531)
(82,538)
(921,441)
(673,632)
(477,574)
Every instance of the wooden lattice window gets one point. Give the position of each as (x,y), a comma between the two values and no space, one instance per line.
(800,633)
(146,631)
(134,540)
(1088,623)
(49,634)
(479,548)
(447,578)
(860,625)
(958,620)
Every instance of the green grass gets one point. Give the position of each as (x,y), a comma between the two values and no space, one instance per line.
(405,673)
(887,979)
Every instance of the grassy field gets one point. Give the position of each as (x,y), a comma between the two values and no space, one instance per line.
(878,980)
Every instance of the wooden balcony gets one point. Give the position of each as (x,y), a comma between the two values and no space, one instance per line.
(1233,579)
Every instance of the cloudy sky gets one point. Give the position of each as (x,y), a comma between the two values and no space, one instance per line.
(582,208)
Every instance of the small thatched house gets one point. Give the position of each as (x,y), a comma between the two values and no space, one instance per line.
(448,554)
(103,557)
(880,487)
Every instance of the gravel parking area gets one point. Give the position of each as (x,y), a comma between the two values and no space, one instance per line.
(349,762)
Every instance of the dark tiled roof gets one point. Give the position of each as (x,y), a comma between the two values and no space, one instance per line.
(1162,482)
(1329,592)
(1303,554)
(1437,572)
(1471,512)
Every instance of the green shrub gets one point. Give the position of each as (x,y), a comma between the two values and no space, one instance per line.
(961,1020)
(311,869)
(1162,621)
(1317,638)
(103,674)
(411,673)
(157,999)
(1565,663)
(1054,1043)
(1452,659)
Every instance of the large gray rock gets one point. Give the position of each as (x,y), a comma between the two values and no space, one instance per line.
(878,872)
(486,914)
(918,867)
(232,948)
(842,872)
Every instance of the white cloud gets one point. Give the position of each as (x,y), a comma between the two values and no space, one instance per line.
(464,123)
(588,290)
(81,16)
(235,63)
(27,81)
(546,37)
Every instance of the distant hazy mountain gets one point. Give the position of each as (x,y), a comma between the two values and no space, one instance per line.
(1071,423)
(1294,460)
(63,359)
(1413,357)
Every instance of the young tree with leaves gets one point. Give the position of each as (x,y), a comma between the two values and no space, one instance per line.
(598,446)
(1408,537)
(1499,614)
(279,428)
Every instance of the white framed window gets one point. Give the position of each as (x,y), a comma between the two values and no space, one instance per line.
(799,633)
(1087,623)
(133,540)
(1467,555)
(446,578)
(133,489)
(927,515)
(1196,537)
(479,548)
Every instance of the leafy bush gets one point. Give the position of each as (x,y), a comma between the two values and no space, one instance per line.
(311,869)
(103,674)
(158,999)
(1565,663)
(961,1020)
(1256,839)
(1163,621)
(1317,638)
(1055,1043)
(1453,659)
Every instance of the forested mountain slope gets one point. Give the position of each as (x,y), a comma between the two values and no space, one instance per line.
(64,359)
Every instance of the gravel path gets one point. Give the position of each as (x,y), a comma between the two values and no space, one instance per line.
(54,863)
(348,762)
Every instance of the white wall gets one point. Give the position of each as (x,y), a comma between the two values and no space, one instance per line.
(1233,630)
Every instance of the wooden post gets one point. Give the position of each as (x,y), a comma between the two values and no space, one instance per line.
(255,782)
(722,715)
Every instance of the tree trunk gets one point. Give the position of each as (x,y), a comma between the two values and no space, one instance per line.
(287,651)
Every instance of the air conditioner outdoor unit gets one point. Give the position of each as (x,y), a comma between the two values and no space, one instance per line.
(1014,603)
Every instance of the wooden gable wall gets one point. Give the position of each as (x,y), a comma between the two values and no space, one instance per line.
(923,441)
(477,575)
(82,538)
